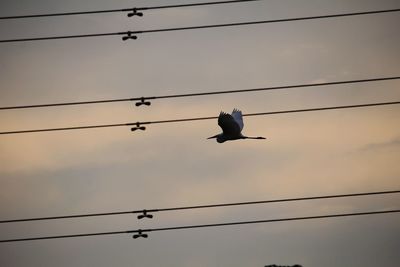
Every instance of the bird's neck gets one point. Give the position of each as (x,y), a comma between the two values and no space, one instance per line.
(253,137)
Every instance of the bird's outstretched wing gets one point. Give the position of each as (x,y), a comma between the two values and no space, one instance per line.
(228,124)
(237,115)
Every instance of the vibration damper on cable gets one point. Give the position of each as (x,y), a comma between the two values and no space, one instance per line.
(145,215)
(143,102)
(128,36)
(135,13)
(138,127)
(140,234)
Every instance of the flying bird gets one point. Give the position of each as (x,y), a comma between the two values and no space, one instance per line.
(232,125)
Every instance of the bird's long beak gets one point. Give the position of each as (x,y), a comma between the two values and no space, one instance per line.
(215,136)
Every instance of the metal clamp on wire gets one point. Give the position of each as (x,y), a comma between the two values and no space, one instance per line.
(138,127)
(128,36)
(140,234)
(145,215)
(143,102)
(135,13)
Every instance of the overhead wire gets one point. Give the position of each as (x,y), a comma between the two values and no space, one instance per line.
(220,205)
(126,9)
(142,232)
(139,125)
(200,93)
(133,34)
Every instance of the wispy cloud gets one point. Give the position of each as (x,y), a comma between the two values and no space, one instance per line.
(392,144)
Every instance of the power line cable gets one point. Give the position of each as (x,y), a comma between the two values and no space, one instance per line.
(144,100)
(132,9)
(133,34)
(139,125)
(145,213)
(142,232)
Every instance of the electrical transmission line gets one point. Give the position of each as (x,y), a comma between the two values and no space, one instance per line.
(145,213)
(132,9)
(144,100)
(142,232)
(133,34)
(139,125)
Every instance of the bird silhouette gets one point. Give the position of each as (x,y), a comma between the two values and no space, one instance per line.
(231,125)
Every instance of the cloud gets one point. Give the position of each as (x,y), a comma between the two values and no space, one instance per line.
(376,147)
(173,164)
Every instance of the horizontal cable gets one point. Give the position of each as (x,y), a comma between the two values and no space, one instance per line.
(199,118)
(70,128)
(203,206)
(201,94)
(71,103)
(131,34)
(62,37)
(140,231)
(273,220)
(125,9)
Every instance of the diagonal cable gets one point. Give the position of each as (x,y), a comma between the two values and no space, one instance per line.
(124,9)
(132,34)
(220,205)
(295,86)
(141,231)
(138,124)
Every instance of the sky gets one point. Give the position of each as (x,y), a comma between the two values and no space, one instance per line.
(169,165)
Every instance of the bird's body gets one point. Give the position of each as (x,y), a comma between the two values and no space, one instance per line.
(232,125)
